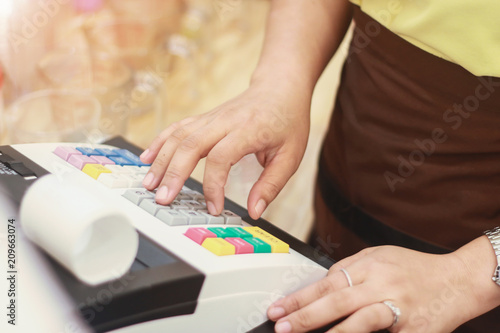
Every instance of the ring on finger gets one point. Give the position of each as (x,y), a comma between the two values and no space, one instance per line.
(396,312)
(348,277)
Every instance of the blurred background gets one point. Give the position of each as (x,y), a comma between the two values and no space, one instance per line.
(87,70)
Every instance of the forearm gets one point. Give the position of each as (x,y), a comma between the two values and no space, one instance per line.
(301,37)
(479,262)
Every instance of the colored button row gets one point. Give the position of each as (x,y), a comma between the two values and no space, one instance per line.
(79,156)
(238,240)
(115,168)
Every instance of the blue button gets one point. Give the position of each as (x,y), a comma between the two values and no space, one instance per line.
(130,156)
(88,151)
(107,152)
(121,160)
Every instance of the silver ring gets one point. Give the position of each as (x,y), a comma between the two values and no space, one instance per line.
(395,311)
(348,277)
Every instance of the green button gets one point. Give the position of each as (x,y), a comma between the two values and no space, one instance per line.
(259,246)
(223,232)
(242,233)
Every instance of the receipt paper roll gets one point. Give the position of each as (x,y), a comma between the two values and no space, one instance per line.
(80,227)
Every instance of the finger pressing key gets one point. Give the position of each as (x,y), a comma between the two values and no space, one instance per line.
(219,162)
(272,180)
(163,157)
(183,161)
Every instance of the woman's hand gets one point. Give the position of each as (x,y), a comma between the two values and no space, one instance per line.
(435,293)
(269,121)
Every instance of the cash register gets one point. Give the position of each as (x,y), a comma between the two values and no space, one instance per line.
(193,271)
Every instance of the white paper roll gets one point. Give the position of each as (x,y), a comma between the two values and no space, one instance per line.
(78,226)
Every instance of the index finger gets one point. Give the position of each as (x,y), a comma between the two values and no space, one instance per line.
(184,157)
(154,148)
(328,309)
(302,298)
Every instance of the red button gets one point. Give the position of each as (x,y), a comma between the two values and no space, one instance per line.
(240,245)
(199,234)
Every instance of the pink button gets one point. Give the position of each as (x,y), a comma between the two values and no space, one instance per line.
(79,161)
(65,152)
(240,245)
(199,234)
(103,160)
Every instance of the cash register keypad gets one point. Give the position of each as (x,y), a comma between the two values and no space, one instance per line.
(119,168)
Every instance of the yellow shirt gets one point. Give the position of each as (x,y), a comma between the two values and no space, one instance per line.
(466,32)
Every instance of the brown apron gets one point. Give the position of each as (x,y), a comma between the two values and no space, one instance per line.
(412,156)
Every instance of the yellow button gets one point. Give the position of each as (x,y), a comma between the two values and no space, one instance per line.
(95,170)
(219,246)
(277,245)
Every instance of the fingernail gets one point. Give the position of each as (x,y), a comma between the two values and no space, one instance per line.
(162,193)
(211,208)
(276,312)
(144,154)
(260,206)
(148,180)
(283,327)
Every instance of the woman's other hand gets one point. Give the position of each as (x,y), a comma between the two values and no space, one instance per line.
(434,293)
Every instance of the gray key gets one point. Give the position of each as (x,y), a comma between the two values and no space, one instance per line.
(150,206)
(177,205)
(191,194)
(182,196)
(231,218)
(171,217)
(210,218)
(192,204)
(194,217)
(136,196)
